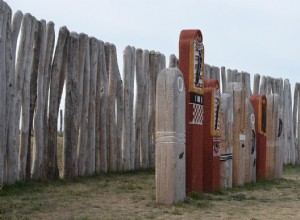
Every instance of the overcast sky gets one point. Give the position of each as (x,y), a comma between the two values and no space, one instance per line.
(258,36)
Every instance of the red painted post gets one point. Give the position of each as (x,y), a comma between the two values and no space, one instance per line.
(212,136)
(259,104)
(191,64)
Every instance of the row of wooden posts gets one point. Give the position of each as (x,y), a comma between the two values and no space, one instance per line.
(109,124)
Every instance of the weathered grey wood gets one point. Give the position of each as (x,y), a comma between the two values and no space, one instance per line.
(215,73)
(138,105)
(145,108)
(223,77)
(154,63)
(131,109)
(92,106)
(162,62)
(71,110)
(33,90)
(57,67)
(207,71)
(37,169)
(10,53)
(21,70)
(25,123)
(263,86)
(127,77)
(48,63)
(289,144)
(226,120)
(229,76)
(170,137)
(104,107)
(120,120)
(268,85)
(173,61)
(247,84)
(84,120)
(296,120)
(113,81)
(98,135)
(256,84)
(4,11)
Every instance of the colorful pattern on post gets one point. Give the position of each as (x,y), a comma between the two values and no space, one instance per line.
(212,136)
(191,64)
(259,104)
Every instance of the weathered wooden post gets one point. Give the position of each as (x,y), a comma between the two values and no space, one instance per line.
(12,33)
(56,71)
(145,107)
(92,106)
(71,120)
(236,89)
(20,154)
(84,120)
(272,148)
(170,137)
(37,168)
(226,120)
(296,119)
(138,106)
(250,143)
(259,104)
(61,122)
(191,64)
(103,108)
(256,84)
(289,142)
(224,80)
(128,77)
(212,136)
(173,61)
(112,91)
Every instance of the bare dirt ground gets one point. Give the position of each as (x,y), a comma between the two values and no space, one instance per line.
(132,196)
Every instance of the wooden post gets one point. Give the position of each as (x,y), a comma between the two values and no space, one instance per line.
(127,78)
(296,120)
(145,108)
(226,120)
(92,106)
(12,34)
(61,122)
(207,71)
(263,86)
(102,70)
(4,13)
(229,76)
(84,120)
(224,80)
(37,169)
(173,61)
(256,84)
(170,137)
(25,132)
(57,68)
(138,106)
(247,84)
(238,129)
(113,81)
(191,55)
(272,150)
(71,110)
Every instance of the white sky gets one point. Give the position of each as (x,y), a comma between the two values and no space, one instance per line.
(258,36)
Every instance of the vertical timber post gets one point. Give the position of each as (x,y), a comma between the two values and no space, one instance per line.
(191,64)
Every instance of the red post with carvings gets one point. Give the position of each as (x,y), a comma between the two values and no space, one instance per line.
(212,136)
(191,64)
(259,104)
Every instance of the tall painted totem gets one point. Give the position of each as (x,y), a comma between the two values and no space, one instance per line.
(212,134)
(191,64)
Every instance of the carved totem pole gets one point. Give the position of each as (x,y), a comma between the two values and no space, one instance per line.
(191,64)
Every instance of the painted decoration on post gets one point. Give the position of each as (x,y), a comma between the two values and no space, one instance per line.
(212,136)
(191,64)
